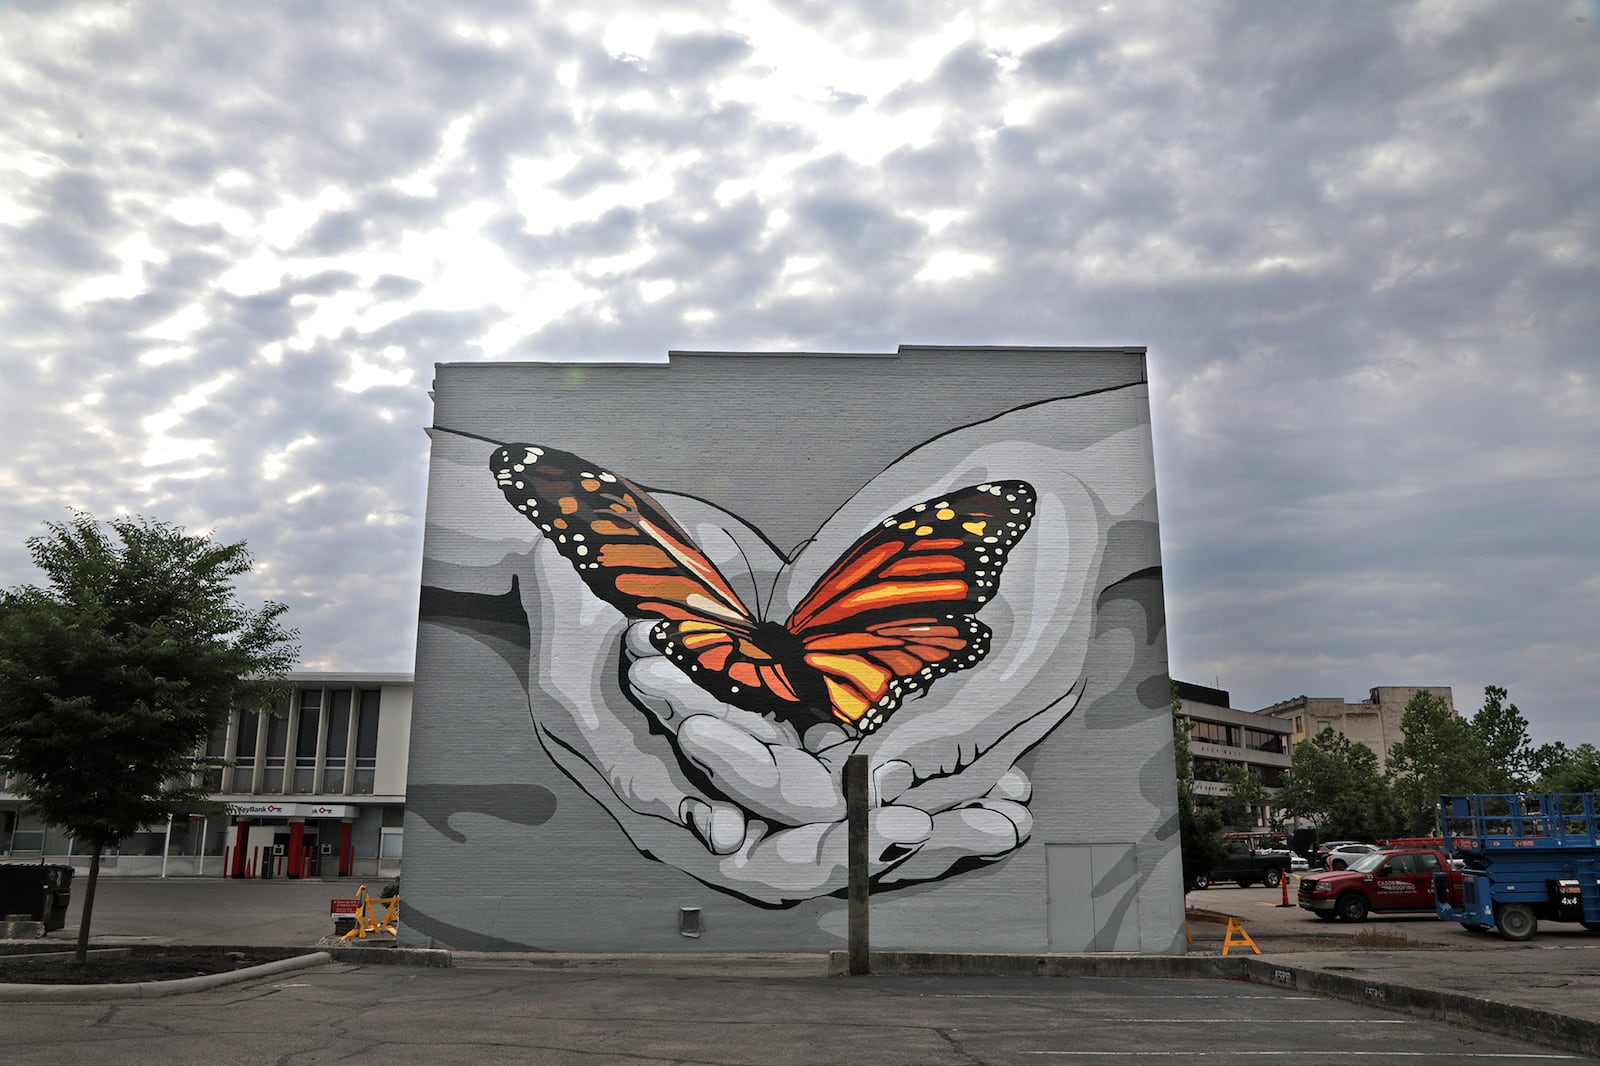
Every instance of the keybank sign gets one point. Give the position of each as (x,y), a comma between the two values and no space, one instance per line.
(292,810)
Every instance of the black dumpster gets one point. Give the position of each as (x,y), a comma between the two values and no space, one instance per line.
(41,891)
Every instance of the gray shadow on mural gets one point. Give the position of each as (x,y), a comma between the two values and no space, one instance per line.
(510,802)
(744,793)
(497,621)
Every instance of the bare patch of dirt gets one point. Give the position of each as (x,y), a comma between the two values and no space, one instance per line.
(142,964)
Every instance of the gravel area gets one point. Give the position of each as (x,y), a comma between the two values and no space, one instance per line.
(142,964)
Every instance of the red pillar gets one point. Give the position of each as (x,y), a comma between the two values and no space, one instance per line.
(346,858)
(238,847)
(297,845)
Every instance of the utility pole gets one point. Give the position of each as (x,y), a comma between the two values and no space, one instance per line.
(855,800)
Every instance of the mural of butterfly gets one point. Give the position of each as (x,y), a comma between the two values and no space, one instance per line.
(890,617)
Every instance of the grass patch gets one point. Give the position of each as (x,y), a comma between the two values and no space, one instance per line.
(1379,938)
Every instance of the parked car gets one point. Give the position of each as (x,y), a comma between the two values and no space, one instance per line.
(1319,857)
(1341,857)
(1298,864)
(1246,864)
(1394,879)
(1319,854)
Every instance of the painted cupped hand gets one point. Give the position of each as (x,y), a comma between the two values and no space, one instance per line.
(938,623)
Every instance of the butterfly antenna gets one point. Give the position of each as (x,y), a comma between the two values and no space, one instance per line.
(755,585)
(469,436)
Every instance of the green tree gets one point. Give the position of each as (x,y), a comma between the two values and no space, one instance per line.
(1547,757)
(1439,752)
(114,673)
(1337,784)
(1504,733)
(1246,794)
(1199,828)
(1570,770)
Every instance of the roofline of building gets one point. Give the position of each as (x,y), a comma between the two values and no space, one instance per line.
(1090,349)
(352,676)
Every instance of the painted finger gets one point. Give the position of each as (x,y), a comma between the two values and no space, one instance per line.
(774,781)
(984,832)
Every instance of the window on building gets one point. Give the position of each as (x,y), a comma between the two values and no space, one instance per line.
(338,745)
(1215,733)
(366,743)
(216,756)
(151,843)
(244,752)
(277,751)
(305,741)
(1260,740)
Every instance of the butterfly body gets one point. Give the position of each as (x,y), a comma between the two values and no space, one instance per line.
(890,617)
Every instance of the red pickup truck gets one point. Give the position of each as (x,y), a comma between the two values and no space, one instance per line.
(1394,879)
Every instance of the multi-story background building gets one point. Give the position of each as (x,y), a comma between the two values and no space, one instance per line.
(1374,721)
(316,789)
(1220,735)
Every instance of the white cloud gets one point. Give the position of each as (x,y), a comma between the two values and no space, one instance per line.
(1362,247)
(946,266)
(387,370)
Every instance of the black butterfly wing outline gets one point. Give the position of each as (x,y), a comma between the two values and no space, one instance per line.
(889,618)
(626,547)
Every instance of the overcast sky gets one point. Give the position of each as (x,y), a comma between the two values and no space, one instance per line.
(1361,242)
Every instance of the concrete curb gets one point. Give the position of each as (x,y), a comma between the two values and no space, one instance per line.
(1536,1026)
(63,956)
(157,989)
(390,956)
(910,963)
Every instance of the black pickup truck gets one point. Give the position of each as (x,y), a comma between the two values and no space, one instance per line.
(1246,864)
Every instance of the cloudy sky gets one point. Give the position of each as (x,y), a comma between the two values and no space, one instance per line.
(1361,242)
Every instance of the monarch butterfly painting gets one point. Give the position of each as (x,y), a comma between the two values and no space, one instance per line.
(890,617)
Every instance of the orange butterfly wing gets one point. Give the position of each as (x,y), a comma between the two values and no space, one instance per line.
(892,616)
(623,544)
(635,556)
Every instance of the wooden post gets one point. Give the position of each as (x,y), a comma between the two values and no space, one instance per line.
(855,800)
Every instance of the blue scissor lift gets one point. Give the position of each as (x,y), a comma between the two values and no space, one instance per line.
(1527,856)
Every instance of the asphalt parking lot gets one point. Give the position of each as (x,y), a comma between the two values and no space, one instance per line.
(775,1009)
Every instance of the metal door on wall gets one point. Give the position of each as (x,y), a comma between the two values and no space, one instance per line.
(1093,897)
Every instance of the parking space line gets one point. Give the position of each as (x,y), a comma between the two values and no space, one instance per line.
(1446,1056)
(1275,1021)
(1065,995)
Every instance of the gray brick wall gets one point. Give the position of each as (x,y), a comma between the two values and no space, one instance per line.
(545,809)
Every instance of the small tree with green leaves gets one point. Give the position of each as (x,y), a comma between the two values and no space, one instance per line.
(1336,783)
(1564,769)
(114,673)
(1504,734)
(1246,795)
(1440,752)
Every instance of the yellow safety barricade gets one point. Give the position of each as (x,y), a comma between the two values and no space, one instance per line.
(366,918)
(1233,937)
